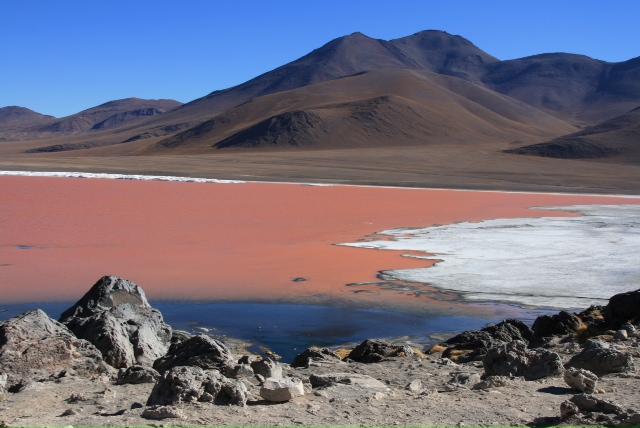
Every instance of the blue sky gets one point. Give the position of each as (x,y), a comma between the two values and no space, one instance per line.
(59,57)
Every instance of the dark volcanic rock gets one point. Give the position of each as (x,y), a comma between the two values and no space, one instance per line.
(192,384)
(116,317)
(514,359)
(623,308)
(315,355)
(33,346)
(602,361)
(372,351)
(556,325)
(199,351)
(474,344)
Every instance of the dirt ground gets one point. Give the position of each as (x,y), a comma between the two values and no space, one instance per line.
(435,401)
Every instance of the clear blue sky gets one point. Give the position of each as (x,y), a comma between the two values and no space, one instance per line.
(60,57)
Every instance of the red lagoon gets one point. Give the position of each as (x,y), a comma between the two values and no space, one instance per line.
(226,242)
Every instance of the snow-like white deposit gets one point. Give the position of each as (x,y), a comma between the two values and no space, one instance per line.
(559,262)
(117,176)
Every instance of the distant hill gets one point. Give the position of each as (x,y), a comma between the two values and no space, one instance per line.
(617,140)
(13,116)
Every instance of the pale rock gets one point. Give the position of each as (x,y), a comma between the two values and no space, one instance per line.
(581,380)
(281,389)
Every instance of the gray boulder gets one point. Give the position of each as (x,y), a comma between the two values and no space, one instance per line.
(137,374)
(280,390)
(116,317)
(374,351)
(602,361)
(267,368)
(198,351)
(33,346)
(163,412)
(514,359)
(581,380)
(193,384)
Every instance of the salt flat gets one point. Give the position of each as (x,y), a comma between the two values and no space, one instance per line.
(557,262)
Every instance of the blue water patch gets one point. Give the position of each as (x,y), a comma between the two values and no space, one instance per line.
(288,329)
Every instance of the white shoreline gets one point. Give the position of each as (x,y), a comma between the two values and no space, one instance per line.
(142,177)
(556,262)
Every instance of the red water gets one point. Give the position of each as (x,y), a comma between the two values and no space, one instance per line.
(223,241)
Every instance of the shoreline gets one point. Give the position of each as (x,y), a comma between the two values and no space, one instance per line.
(183,179)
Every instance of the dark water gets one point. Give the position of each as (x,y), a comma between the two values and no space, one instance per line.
(288,329)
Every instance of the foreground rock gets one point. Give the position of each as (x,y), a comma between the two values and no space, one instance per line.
(198,351)
(514,359)
(33,346)
(602,360)
(116,317)
(315,355)
(581,380)
(473,345)
(280,390)
(623,308)
(374,351)
(193,384)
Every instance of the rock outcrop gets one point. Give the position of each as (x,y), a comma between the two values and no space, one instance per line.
(280,390)
(198,351)
(602,360)
(116,317)
(581,380)
(137,374)
(193,384)
(623,308)
(374,351)
(473,345)
(33,346)
(515,359)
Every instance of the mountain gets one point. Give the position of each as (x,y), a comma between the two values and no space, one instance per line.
(616,140)
(110,114)
(13,116)
(355,91)
(382,108)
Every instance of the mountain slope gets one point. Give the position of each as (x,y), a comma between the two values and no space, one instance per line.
(374,109)
(615,140)
(14,116)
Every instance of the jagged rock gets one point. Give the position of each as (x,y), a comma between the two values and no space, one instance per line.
(594,344)
(374,351)
(240,370)
(589,403)
(163,412)
(581,380)
(473,345)
(178,337)
(267,368)
(199,351)
(137,374)
(316,355)
(514,359)
(623,308)
(116,317)
(33,346)
(247,359)
(602,361)
(280,390)
(557,325)
(192,384)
